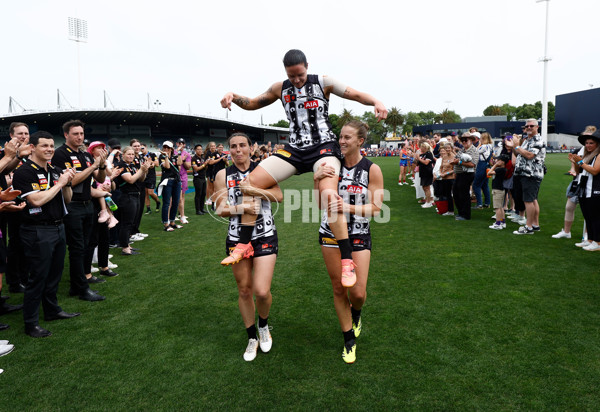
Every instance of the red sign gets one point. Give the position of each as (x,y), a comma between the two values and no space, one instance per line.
(289,98)
(312,104)
(354,189)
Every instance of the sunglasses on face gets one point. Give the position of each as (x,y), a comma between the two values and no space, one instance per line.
(529,125)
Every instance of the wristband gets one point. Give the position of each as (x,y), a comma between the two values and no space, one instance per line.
(580,162)
(68,184)
(102,168)
(460,162)
(517,148)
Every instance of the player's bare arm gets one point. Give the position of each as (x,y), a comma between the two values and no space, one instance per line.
(270,96)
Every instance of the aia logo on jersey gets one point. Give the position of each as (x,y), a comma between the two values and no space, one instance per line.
(354,189)
(325,151)
(289,98)
(233,183)
(311,104)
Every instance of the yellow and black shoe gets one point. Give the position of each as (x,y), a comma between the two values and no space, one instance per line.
(357,327)
(349,352)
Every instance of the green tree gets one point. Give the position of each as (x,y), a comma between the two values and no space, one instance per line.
(509,110)
(493,110)
(395,118)
(427,117)
(447,116)
(334,119)
(377,130)
(281,123)
(411,120)
(346,117)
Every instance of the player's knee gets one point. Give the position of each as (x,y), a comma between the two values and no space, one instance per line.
(262,294)
(245,293)
(359,295)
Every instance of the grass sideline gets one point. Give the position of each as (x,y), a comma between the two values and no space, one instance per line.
(458,317)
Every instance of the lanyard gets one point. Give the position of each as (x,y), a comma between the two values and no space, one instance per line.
(47,182)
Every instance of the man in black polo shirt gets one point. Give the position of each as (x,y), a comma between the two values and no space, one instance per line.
(79,221)
(199,169)
(42,231)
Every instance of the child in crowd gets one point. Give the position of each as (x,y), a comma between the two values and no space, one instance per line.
(498,171)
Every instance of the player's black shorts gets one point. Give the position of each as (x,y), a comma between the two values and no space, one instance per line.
(150,183)
(263,246)
(303,160)
(358,242)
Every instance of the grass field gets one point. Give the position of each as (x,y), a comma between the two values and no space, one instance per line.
(458,317)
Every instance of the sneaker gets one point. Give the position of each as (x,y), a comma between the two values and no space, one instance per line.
(477,207)
(496,226)
(399,183)
(6,349)
(177,218)
(108,273)
(448,214)
(357,328)
(427,205)
(266,341)
(144,235)
(348,273)
(583,243)
(4,342)
(103,216)
(592,247)
(157,207)
(112,265)
(94,270)
(241,251)
(251,350)
(112,222)
(110,256)
(524,230)
(148,211)
(520,220)
(562,234)
(135,238)
(536,228)
(184,220)
(349,352)
(494,217)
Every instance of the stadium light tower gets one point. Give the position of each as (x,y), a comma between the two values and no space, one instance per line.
(545,59)
(78,33)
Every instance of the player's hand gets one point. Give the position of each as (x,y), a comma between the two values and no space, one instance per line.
(336,205)
(380,111)
(11,148)
(11,207)
(9,194)
(252,207)
(66,176)
(116,172)
(324,171)
(226,101)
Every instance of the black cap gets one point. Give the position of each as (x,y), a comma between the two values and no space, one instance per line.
(181,140)
(112,143)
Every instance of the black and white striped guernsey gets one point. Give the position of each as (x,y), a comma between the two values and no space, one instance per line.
(307,110)
(353,188)
(265,225)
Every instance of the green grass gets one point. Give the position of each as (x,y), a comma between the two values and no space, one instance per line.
(458,317)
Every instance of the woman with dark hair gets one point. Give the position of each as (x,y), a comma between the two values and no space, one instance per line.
(360,197)
(254,275)
(588,183)
(305,98)
(425,160)
(170,185)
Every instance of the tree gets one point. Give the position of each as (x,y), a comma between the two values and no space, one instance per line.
(509,110)
(334,119)
(346,117)
(394,119)
(377,130)
(427,117)
(281,123)
(448,116)
(493,110)
(411,120)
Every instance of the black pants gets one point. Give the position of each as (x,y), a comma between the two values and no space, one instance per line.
(129,205)
(590,207)
(446,192)
(517,194)
(98,238)
(45,248)
(462,197)
(78,228)
(200,193)
(17,267)
(140,211)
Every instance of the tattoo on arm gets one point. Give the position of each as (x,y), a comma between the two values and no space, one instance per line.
(263,99)
(241,101)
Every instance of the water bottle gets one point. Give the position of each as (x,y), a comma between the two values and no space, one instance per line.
(110,203)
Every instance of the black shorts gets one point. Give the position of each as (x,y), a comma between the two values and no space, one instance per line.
(426,180)
(150,183)
(3,255)
(358,242)
(303,160)
(531,188)
(263,246)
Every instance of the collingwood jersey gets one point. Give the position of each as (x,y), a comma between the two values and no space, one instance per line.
(352,187)
(265,226)
(307,110)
